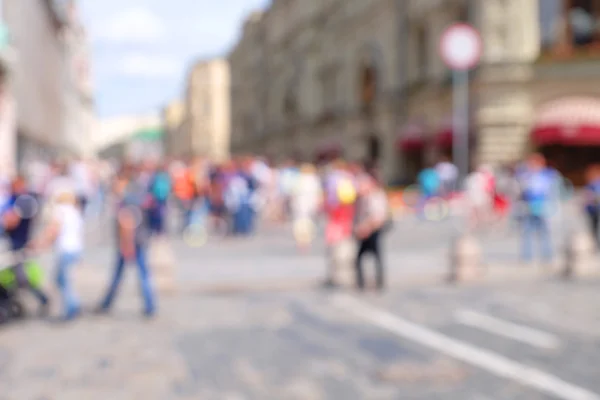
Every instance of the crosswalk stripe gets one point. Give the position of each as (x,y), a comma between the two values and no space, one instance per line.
(507,329)
(484,359)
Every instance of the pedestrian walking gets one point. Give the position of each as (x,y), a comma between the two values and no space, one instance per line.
(17,222)
(66,232)
(592,201)
(158,195)
(538,187)
(306,201)
(339,207)
(133,239)
(372,213)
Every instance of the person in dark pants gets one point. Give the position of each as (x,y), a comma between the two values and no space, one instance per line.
(17,221)
(371,218)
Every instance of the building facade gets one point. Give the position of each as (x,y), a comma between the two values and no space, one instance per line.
(8,110)
(249,85)
(206,125)
(333,74)
(79,113)
(365,78)
(173,122)
(51,78)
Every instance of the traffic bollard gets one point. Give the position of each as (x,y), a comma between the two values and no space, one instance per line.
(162,265)
(341,259)
(580,256)
(465,259)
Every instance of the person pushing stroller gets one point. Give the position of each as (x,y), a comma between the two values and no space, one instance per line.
(17,223)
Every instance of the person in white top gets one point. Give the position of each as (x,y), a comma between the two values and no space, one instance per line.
(479,195)
(66,233)
(306,200)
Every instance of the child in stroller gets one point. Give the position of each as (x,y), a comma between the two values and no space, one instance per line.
(11,308)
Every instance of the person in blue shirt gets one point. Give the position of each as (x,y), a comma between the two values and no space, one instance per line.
(592,201)
(539,186)
(17,222)
(429,184)
(159,190)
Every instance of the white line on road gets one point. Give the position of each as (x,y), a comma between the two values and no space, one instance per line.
(507,329)
(484,359)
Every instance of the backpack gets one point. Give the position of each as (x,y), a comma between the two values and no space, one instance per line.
(161,187)
(346,191)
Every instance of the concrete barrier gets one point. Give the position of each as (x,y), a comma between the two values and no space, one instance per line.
(341,263)
(580,260)
(163,265)
(465,259)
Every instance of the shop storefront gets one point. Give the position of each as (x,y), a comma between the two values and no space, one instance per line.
(412,144)
(567,132)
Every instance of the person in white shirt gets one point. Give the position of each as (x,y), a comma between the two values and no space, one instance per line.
(66,232)
(479,195)
(306,200)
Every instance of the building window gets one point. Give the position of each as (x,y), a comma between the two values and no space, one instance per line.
(368,86)
(569,24)
(463,13)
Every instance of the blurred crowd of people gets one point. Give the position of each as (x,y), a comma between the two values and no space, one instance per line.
(346,201)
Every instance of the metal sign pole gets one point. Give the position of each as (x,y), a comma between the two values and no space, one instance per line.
(460,121)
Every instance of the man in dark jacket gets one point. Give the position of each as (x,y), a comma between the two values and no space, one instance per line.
(17,222)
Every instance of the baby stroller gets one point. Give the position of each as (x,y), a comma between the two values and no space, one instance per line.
(11,307)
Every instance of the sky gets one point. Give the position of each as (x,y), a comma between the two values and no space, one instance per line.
(142,49)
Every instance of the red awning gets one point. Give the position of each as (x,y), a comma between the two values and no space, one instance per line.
(412,138)
(444,138)
(570,122)
(329,149)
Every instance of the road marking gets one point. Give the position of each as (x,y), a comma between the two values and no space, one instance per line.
(507,329)
(484,359)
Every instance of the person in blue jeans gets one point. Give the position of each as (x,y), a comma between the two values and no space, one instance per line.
(133,236)
(160,188)
(538,187)
(66,232)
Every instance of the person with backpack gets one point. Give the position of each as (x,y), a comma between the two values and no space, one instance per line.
(339,203)
(159,192)
(372,216)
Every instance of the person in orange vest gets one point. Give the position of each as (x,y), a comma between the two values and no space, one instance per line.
(184,191)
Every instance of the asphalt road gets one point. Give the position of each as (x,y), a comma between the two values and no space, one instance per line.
(537,339)
(523,341)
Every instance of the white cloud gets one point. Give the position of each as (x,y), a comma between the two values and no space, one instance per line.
(149,66)
(134,25)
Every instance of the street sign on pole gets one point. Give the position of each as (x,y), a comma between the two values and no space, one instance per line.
(461,48)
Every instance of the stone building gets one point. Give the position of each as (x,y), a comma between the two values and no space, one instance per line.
(173,124)
(51,79)
(206,125)
(249,85)
(331,83)
(365,78)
